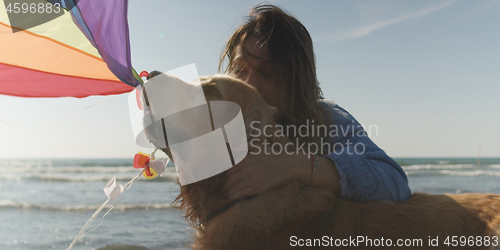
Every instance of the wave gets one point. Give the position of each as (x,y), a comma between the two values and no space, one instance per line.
(169,175)
(66,162)
(437,167)
(65,178)
(166,177)
(470,173)
(83,208)
(447,161)
(69,170)
(456,173)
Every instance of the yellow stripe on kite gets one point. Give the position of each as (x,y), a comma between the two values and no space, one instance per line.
(61,29)
(25,49)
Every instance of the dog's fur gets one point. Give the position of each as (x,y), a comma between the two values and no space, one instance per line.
(267,221)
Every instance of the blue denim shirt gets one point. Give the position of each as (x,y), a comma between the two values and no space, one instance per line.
(366,171)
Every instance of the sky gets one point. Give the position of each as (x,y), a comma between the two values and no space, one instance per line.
(423,76)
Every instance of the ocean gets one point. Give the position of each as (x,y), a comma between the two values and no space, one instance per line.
(45,203)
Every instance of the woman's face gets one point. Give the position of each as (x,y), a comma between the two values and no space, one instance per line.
(251,64)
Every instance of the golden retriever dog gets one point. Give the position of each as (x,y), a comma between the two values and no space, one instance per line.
(289,216)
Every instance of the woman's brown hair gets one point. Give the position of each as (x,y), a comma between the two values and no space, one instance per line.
(292,62)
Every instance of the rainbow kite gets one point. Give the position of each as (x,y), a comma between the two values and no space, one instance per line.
(82,53)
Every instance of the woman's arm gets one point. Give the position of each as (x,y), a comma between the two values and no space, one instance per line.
(263,172)
(325,176)
(355,167)
(361,177)
(366,171)
(369,176)
(258,173)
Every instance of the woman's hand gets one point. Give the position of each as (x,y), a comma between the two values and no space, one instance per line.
(259,173)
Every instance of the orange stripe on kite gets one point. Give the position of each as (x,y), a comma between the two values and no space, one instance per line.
(29,50)
(53,40)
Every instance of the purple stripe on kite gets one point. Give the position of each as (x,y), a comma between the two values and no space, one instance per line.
(107,23)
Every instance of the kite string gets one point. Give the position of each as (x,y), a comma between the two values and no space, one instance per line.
(64,118)
(99,210)
(126,187)
(88,223)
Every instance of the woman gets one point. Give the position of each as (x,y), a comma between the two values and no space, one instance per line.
(273,52)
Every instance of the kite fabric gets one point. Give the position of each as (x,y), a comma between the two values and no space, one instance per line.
(82,53)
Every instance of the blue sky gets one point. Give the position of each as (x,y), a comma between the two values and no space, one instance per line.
(425,73)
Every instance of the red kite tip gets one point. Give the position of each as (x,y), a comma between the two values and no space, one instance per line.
(144,74)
